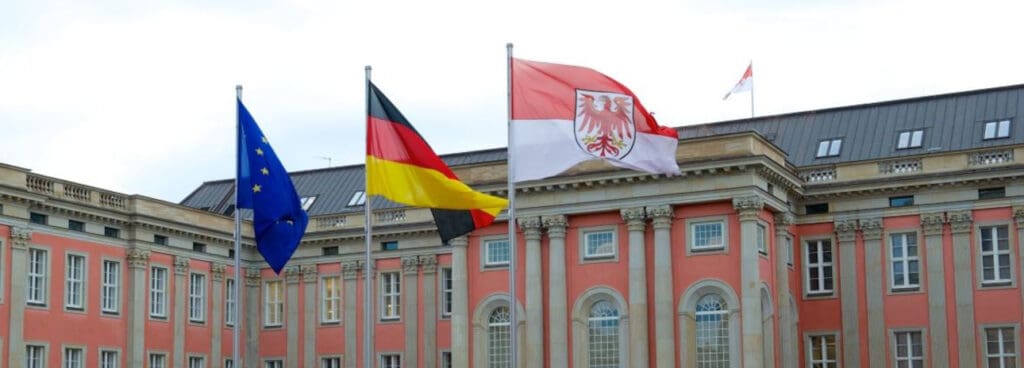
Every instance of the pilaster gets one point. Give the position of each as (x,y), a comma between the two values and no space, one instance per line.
(749,209)
(350,274)
(20,239)
(788,341)
(428,264)
(253,318)
(309,317)
(664,328)
(460,304)
(871,230)
(534,293)
(292,275)
(846,233)
(558,327)
(1018,217)
(138,264)
(960,223)
(410,313)
(216,312)
(932,225)
(181,268)
(638,345)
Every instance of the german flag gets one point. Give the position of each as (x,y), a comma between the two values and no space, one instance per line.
(402,167)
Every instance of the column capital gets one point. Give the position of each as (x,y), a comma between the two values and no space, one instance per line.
(530,226)
(350,269)
(661,216)
(846,230)
(20,237)
(932,223)
(460,242)
(871,228)
(137,258)
(309,272)
(960,221)
(556,225)
(748,207)
(253,277)
(181,265)
(217,271)
(429,264)
(292,275)
(634,218)
(410,265)
(784,220)
(1018,215)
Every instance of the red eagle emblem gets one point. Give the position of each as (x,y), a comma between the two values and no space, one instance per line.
(604,123)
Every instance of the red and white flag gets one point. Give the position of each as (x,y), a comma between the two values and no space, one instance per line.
(746,82)
(563,115)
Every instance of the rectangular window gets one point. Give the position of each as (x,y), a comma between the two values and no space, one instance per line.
(110,291)
(997,129)
(76,225)
(910,139)
(158,292)
(307,202)
(330,291)
(823,351)
(905,262)
(447,291)
(818,269)
(909,349)
(446,359)
(108,359)
(231,253)
(815,209)
(273,364)
(329,251)
(35,356)
(496,253)
(829,147)
(995,255)
(197,298)
(358,199)
(157,361)
(789,251)
(35,285)
(74,282)
(333,362)
(390,361)
(37,218)
(228,363)
(992,193)
(599,244)
(707,235)
(273,305)
(229,302)
(198,247)
(902,201)
(762,242)
(1000,347)
(111,232)
(74,358)
(390,295)
(196,362)
(160,239)
(389,245)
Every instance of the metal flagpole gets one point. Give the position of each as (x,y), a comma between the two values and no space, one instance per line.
(751,88)
(511,226)
(238,240)
(368,265)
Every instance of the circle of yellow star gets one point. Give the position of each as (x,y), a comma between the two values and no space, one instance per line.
(264,139)
(256,188)
(259,151)
(265,171)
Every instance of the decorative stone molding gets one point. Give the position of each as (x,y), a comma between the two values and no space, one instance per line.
(871,228)
(217,271)
(20,237)
(634,218)
(292,274)
(410,265)
(350,269)
(137,258)
(530,227)
(748,207)
(661,216)
(429,263)
(846,230)
(461,241)
(181,265)
(309,273)
(253,277)
(960,221)
(783,221)
(932,223)
(556,225)
(1018,215)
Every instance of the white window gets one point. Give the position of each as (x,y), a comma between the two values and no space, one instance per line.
(708,235)
(196,362)
(1001,348)
(74,282)
(909,350)
(762,241)
(273,364)
(447,290)
(829,147)
(228,363)
(330,290)
(910,139)
(603,333)
(307,202)
(157,361)
(822,351)
(995,255)
(997,129)
(108,359)
(446,359)
(358,199)
(229,303)
(496,253)
(599,244)
(35,356)
(158,292)
(789,251)
(110,291)
(333,362)
(712,325)
(390,293)
(74,358)
(906,273)
(498,343)
(818,269)
(273,305)
(36,283)
(197,298)
(391,361)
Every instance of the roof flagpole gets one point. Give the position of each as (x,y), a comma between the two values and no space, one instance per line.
(511,226)
(238,242)
(368,265)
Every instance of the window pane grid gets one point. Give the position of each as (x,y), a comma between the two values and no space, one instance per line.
(36,288)
(446,291)
(108,359)
(909,349)
(819,267)
(229,302)
(73,358)
(110,293)
(708,235)
(34,356)
(599,244)
(74,277)
(197,298)
(390,361)
(273,305)
(905,261)
(603,332)
(390,296)
(823,352)
(158,292)
(330,363)
(995,254)
(1000,348)
(712,320)
(497,252)
(762,245)
(196,362)
(331,305)
(498,343)
(157,361)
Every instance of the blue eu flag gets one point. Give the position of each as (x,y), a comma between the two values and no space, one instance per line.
(264,187)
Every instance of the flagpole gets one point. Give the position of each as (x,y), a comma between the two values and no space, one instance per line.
(368,265)
(751,89)
(511,226)
(238,240)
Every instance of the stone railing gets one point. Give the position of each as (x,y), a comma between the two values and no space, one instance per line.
(77,192)
(328,222)
(112,200)
(990,157)
(389,216)
(38,184)
(818,175)
(900,166)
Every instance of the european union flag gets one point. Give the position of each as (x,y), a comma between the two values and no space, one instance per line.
(264,187)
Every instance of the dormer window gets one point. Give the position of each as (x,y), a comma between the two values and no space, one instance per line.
(307,202)
(829,147)
(910,139)
(997,129)
(358,199)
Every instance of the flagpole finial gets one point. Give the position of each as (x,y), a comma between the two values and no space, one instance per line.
(238,91)
(369,68)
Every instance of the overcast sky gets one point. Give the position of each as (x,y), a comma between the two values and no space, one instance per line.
(137,95)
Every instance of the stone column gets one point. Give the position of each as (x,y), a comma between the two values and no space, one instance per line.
(216,313)
(534,293)
(429,331)
(846,232)
(180,305)
(291,310)
(748,209)
(350,273)
(558,327)
(410,279)
(309,317)
(138,263)
(871,230)
(20,238)
(460,304)
(788,340)
(635,222)
(961,222)
(664,326)
(252,317)
(1018,217)
(932,224)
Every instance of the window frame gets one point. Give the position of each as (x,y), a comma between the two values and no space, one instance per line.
(394,278)
(307,202)
(761,238)
(894,337)
(195,358)
(80,284)
(75,225)
(835,361)
(389,355)
(905,260)
(103,353)
(829,143)
(43,277)
(162,306)
(38,218)
(447,293)
(358,199)
(197,299)
(273,363)
(336,358)
(821,265)
(273,306)
(983,341)
(229,301)
(64,356)
(585,256)
(162,356)
(41,348)
(980,255)
(691,234)
(334,302)
(112,290)
(159,239)
(996,131)
(112,232)
(909,142)
(485,255)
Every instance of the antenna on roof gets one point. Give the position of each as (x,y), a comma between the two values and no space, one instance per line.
(329,160)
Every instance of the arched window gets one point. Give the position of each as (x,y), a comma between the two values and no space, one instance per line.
(603,330)
(712,317)
(498,350)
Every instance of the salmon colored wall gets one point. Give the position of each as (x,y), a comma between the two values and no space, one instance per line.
(273,340)
(995,305)
(815,314)
(330,338)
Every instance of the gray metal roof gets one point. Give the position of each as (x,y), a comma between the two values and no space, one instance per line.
(951,122)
